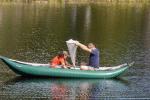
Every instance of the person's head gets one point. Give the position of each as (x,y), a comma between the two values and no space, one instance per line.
(63,54)
(91,45)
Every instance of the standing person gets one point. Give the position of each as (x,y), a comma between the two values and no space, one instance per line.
(94,54)
(60,60)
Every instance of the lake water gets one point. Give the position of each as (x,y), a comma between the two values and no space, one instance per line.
(36,32)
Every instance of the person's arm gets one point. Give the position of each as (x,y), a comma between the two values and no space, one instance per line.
(67,63)
(63,63)
(84,47)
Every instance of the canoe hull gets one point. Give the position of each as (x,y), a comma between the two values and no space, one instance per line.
(30,70)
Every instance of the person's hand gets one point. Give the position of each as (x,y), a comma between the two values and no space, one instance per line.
(77,43)
(64,67)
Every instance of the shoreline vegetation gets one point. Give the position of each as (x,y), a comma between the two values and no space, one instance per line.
(62,3)
(76,1)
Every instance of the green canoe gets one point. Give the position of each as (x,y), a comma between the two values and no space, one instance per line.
(33,69)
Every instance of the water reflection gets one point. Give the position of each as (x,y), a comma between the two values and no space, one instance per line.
(73,18)
(58,89)
(115,29)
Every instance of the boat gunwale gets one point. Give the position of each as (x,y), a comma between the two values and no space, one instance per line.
(42,65)
(73,68)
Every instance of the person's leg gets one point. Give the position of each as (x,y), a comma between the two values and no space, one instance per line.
(83,66)
(91,68)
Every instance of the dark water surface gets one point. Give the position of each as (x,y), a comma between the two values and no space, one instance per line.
(36,32)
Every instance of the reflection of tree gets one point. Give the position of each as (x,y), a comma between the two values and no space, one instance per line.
(73,18)
(87,22)
(87,18)
(146,36)
(38,31)
(1,13)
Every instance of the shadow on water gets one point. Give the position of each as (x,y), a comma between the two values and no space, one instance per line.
(57,88)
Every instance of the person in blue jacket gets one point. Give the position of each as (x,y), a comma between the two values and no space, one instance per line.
(94,57)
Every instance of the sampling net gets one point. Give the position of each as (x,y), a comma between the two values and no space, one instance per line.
(72,48)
